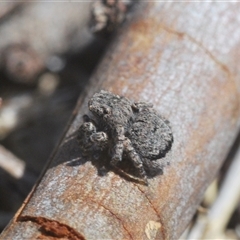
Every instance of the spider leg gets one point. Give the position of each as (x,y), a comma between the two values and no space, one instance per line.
(138,106)
(90,140)
(131,177)
(86,130)
(86,118)
(118,146)
(134,157)
(154,167)
(100,140)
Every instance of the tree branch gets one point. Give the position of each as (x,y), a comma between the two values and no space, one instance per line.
(178,56)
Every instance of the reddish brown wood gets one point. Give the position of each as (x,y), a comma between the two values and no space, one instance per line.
(182,57)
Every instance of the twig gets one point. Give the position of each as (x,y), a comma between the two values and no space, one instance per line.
(227,200)
(213,223)
(11,164)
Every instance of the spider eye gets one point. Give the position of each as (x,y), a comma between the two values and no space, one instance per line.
(106,110)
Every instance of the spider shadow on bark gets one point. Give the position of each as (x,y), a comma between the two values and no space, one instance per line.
(124,169)
(70,154)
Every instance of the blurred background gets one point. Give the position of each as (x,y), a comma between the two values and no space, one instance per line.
(48,52)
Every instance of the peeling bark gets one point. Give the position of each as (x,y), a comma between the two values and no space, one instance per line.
(53,228)
(178,56)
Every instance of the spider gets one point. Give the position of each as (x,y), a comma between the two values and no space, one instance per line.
(125,129)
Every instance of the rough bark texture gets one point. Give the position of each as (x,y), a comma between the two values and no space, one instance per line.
(183,58)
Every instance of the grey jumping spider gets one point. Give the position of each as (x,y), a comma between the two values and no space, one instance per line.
(125,129)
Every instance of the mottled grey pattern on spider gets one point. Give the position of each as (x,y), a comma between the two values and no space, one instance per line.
(126,129)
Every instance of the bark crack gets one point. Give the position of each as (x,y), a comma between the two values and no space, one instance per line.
(223,66)
(53,228)
(119,219)
(155,210)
